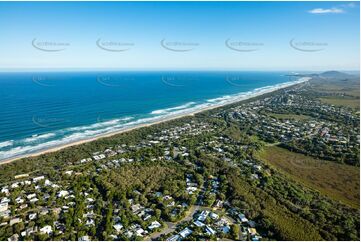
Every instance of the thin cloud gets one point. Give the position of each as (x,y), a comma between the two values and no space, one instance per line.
(326,10)
(349,5)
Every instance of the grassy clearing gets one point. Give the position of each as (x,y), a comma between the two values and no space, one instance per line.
(350,88)
(337,181)
(339,101)
(289,116)
(288,225)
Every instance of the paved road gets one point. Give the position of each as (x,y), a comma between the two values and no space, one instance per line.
(189,216)
(172,226)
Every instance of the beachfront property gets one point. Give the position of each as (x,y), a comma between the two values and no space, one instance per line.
(142,214)
(180,121)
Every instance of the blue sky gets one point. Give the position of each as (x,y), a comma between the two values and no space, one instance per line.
(196,35)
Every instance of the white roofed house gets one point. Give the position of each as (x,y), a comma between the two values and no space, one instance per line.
(154,225)
(19,200)
(257,167)
(4,210)
(173,238)
(210,231)
(242,217)
(118,227)
(185,232)
(34,200)
(3,207)
(70,172)
(213,215)
(199,223)
(171,204)
(128,233)
(136,208)
(47,183)
(5,190)
(46,230)
(90,222)
(140,232)
(39,178)
(28,231)
(15,221)
(44,211)
(63,193)
(5,214)
(146,217)
(218,204)
(5,200)
(14,237)
(15,185)
(30,196)
(85,160)
(99,157)
(32,216)
(203,215)
(84,238)
(191,190)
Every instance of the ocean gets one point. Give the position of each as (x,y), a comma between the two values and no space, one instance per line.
(43,110)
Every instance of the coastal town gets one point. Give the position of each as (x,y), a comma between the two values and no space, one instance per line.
(180,120)
(28,202)
(311,122)
(181,181)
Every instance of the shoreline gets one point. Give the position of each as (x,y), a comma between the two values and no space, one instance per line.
(161,120)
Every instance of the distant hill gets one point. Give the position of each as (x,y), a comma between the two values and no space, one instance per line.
(338,82)
(335,75)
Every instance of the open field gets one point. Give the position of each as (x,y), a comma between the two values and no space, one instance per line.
(289,116)
(351,88)
(291,227)
(337,181)
(340,101)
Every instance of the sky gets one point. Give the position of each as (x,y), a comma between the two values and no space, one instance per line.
(180,35)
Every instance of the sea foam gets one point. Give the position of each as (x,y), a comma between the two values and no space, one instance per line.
(74,134)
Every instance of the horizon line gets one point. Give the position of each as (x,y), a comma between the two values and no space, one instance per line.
(12,70)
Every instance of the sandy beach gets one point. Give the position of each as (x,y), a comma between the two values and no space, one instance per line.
(161,120)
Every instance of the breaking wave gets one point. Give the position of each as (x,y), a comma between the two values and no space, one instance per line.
(6,143)
(11,148)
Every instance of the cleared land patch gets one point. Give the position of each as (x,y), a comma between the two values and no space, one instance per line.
(337,181)
(339,101)
(289,116)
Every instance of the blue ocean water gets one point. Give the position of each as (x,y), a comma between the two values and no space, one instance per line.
(42,110)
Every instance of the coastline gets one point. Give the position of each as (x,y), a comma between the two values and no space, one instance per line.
(237,99)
